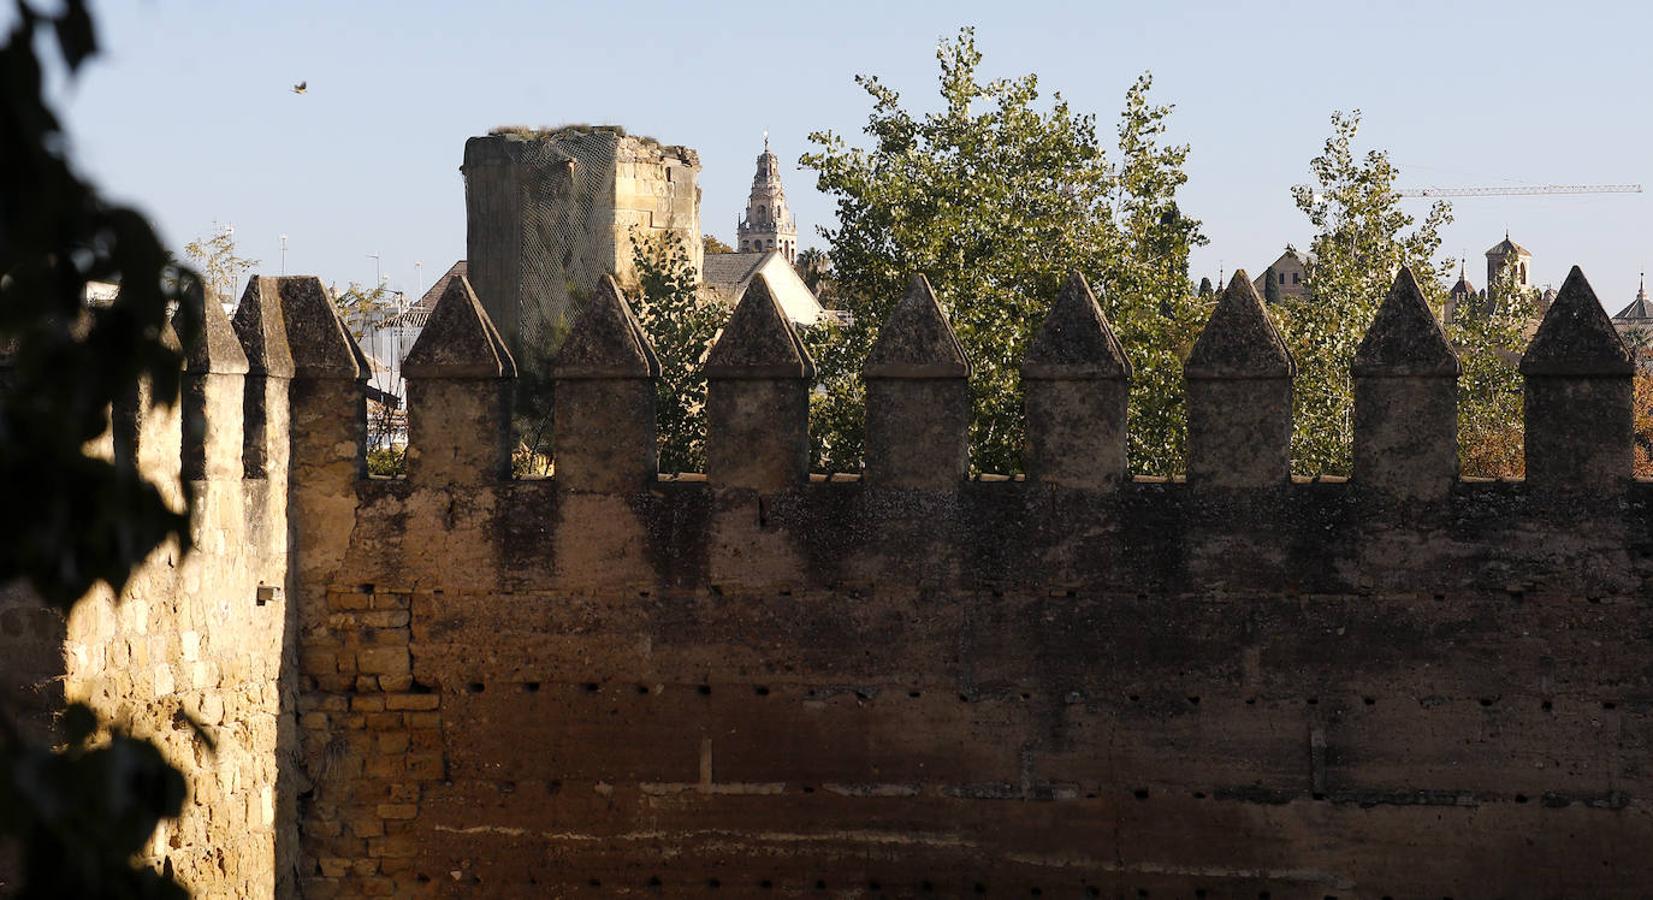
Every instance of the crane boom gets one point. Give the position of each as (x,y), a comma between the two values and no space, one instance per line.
(1521,190)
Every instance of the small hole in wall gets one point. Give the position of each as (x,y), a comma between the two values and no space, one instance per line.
(1369,701)
(1199,893)
(1026,695)
(364,588)
(1251,701)
(761,691)
(981,888)
(1140,793)
(964,698)
(713,884)
(595,882)
(1486,701)
(420,688)
(476,687)
(1199,795)
(642,689)
(654,881)
(704,690)
(915,694)
(1193,701)
(1135,698)
(809,789)
(1263,895)
(1313,701)
(531,687)
(1520,798)
(927,887)
(1036,892)
(874,886)
(1440,598)
(820,885)
(1608,704)
(592,687)
(643,594)
(1093,891)
(1142,892)
(766,884)
(1546,706)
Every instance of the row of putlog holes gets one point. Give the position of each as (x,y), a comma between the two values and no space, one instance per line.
(705,690)
(655,883)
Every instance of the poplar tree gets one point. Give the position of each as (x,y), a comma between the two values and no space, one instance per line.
(997,198)
(1362,238)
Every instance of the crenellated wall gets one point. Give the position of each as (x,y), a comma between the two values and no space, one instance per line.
(193,654)
(761,682)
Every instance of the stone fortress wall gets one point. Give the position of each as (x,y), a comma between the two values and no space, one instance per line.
(202,638)
(763,682)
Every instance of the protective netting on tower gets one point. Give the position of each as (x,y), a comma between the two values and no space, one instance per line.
(538,210)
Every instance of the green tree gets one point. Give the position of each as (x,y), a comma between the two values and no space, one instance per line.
(997,202)
(77,815)
(362,308)
(1490,335)
(682,323)
(713,245)
(1362,237)
(221,267)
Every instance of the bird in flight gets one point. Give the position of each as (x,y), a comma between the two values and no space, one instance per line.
(301,87)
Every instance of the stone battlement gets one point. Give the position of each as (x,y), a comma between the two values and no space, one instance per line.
(765,682)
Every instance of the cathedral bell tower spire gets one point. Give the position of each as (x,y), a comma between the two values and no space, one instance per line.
(768,223)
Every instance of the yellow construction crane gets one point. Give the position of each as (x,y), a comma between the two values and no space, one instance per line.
(1521,190)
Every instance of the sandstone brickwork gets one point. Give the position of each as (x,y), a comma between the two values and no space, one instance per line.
(1078,684)
(761,682)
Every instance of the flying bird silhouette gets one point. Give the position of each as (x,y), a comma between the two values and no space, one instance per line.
(301,87)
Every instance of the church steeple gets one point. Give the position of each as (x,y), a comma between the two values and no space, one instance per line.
(768,223)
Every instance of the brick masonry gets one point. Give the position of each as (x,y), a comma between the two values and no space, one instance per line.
(760,682)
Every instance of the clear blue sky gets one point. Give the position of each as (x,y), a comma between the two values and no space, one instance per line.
(189,113)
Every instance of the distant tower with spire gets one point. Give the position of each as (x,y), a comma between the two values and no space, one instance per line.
(1508,254)
(768,223)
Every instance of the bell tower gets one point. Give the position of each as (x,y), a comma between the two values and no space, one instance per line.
(768,223)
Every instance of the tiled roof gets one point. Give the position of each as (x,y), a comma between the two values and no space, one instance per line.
(1639,309)
(428,301)
(1506,246)
(727,273)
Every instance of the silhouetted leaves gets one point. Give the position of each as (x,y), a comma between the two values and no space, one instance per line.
(74,521)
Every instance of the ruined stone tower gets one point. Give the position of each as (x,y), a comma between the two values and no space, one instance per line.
(548,212)
(768,224)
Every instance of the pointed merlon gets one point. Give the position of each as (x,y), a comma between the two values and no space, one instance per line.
(262,329)
(217,349)
(1075,343)
(1405,339)
(606,341)
(759,341)
(1239,341)
(1576,337)
(320,344)
(916,341)
(459,340)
